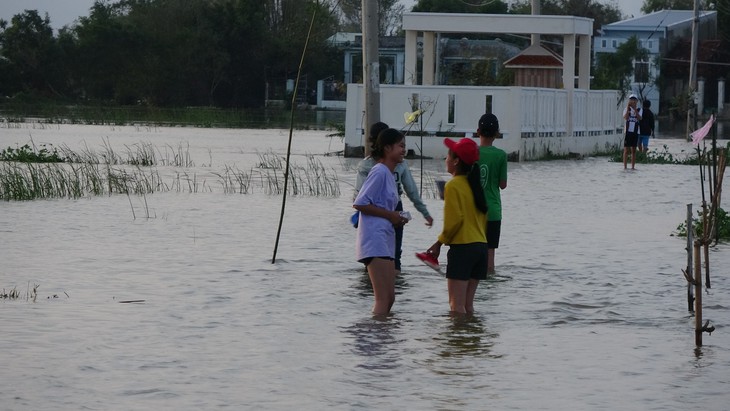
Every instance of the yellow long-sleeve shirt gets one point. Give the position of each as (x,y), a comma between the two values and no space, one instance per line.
(463,222)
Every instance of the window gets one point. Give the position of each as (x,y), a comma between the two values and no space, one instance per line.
(452,104)
(641,72)
(651,44)
(614,43)
(603,44)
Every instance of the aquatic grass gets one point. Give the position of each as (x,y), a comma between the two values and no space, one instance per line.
(271,160)
(30,181)
(91,173)
(234,181)
(31,294)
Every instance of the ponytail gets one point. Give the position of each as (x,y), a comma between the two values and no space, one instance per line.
(474,177)
(475,182)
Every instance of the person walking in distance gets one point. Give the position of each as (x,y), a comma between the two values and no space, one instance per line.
(631,136)
(405,183)
(376,201)
(493,169)
(646,125)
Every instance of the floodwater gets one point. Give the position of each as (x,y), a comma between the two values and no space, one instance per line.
(588,309)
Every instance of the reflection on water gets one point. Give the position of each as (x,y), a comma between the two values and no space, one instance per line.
(376,342)
(465,336)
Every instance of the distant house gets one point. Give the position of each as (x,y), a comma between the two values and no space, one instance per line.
(390,48)
(537,66)
(658,33)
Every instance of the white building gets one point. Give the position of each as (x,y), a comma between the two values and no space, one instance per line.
(535,122)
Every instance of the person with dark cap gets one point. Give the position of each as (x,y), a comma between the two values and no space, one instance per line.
(632,116)
(465,222)
(493,167)
(646,125)
(405,183)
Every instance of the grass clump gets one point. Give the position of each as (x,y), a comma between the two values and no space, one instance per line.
(723,225)
(28,154)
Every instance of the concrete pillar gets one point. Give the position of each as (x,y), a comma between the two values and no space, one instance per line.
(569,61)
(535,5)
(584,63)
(700,96)
(410,76)
(429,57)
(720,94)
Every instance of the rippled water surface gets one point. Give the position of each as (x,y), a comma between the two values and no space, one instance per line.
(588,309)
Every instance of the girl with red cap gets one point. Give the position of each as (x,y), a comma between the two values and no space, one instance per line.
(465,221)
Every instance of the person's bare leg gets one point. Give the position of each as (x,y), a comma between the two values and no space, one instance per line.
(457,295)
(625,154)
(633,158)
(382,277)
(490,260)
(471,291)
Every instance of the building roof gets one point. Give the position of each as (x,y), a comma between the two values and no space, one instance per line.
(657,20)
(535,56)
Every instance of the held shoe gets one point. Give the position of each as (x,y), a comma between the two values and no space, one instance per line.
(429,260)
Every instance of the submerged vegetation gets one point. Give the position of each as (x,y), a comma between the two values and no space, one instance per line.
(28,174)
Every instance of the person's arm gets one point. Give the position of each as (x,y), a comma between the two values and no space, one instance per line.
(453,217)
(363,168)
(411,190)
(503,173)
(371,209)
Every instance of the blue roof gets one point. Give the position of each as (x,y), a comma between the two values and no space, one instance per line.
(658,19)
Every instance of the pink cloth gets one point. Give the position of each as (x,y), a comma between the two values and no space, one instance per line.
(698,135)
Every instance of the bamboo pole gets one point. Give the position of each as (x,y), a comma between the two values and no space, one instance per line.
(688,273)
(698,295)
(291,131)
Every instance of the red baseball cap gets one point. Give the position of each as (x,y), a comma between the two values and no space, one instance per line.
(466,149)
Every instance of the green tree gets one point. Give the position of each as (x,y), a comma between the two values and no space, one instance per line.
(450,6)
(651,6)
(29,56)
(601,13)
(614,71)
(721,6)
(390,13)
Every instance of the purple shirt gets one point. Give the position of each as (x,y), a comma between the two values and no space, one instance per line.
(376,235)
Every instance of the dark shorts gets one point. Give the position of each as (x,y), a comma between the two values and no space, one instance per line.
(467,261)
(644,140)
(494,229)
(631,140)
(369,260)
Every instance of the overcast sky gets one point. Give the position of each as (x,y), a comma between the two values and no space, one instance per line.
(64,12)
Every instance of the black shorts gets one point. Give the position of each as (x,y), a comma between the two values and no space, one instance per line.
(369,260)
(631,139)
(494,229)
(467,261)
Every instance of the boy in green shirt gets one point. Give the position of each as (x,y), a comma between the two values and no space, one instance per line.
(493,167)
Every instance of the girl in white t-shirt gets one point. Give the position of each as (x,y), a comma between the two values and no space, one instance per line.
(376,201)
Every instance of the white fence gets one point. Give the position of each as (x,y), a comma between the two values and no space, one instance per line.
(535,122)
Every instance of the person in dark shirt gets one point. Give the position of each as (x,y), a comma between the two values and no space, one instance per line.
(646,125)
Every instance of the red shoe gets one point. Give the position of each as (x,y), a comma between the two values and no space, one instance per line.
(429,260)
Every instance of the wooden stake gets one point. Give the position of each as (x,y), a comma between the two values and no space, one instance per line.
(698,295)
(688,274)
